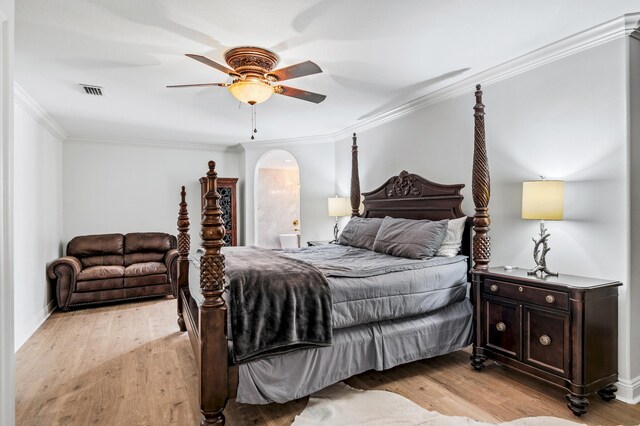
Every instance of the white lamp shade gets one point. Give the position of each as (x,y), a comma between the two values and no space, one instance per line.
(543,200)
(338,207)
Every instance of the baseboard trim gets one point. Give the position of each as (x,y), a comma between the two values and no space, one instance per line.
(37,322)
(629,391)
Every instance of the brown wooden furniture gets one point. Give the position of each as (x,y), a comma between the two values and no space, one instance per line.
(403,196)
(228,201)
(561,329)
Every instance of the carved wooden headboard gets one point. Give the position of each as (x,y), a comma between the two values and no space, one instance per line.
(411,196)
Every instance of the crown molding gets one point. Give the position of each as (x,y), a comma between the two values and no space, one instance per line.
(625,25)
(157,144)
(287,142)
(31,107)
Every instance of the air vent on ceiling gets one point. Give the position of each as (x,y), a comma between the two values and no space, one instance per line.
(92,90)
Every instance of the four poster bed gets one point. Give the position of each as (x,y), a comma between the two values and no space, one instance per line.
(359,338)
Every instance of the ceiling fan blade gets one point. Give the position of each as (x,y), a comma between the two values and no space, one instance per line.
(211,63)
(200,85)
(295,71)
(300,94)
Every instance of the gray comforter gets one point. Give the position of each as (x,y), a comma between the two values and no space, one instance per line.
(367,286)
(277,303)
(401,288)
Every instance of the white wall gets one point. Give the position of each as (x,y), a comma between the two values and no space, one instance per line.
(564,120)
(118,187)
(317,182)
(7,357)
(38,221)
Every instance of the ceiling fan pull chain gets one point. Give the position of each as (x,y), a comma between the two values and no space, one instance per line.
(253,120)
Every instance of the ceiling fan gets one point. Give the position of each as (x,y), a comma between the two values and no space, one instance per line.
(253,78)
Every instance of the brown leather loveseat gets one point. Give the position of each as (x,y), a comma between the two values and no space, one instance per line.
(109,267)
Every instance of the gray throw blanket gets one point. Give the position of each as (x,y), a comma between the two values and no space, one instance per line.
(277,303)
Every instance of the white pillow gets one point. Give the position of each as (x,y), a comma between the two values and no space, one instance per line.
(453,238)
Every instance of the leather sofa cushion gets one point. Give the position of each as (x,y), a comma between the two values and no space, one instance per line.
(130,259)
(101,272)
(96,245)
(81,297)
(110,259)
(148,241)
(148,268)
(99,285)
(144,281)
(147,290)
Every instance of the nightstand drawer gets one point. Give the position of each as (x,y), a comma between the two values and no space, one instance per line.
(502,326)
(546,340)
(527,294)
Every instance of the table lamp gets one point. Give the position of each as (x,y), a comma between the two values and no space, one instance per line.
(337,208)
(542,200)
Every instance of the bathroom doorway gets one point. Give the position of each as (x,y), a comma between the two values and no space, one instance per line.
(277,183)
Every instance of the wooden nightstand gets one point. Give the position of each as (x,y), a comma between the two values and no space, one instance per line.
(562,329)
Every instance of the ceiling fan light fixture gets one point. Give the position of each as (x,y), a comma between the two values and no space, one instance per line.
(251,91)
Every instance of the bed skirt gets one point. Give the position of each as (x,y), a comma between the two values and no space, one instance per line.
(375,346)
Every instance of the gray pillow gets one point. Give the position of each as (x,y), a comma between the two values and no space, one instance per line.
(360,232)
(415,239)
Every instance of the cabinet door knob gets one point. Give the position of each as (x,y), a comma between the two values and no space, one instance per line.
(494,287)
(550,298)
(520,289)
(501,326)
(545,340)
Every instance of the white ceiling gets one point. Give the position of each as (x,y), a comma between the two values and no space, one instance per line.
(376,55)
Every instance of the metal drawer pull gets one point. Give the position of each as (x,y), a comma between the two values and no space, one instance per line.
(550,299)
(501,326)
(494,287)
(545,340)
(520,289)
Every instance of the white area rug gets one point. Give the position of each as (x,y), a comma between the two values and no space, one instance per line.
(341,404)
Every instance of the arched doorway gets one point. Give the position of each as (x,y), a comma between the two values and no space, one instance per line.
(277,200)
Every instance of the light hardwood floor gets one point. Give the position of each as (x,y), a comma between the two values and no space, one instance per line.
(127,364)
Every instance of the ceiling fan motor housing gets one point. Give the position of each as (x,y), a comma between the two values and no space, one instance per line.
(251,62)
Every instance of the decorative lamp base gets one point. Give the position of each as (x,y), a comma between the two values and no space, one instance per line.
(540,255)
(335,232)
(543,270)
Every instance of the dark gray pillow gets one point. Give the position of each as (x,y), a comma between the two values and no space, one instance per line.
(360,232)
(415,239)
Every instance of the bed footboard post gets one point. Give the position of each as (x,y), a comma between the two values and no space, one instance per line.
(184,245)
(481,189)
(355,179)
(212,377)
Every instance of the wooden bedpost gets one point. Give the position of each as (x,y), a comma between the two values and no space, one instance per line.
(184,245)
(213,311)
(481,188)
(355,179)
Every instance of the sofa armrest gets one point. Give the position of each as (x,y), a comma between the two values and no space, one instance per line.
(171,262)
(65,271)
